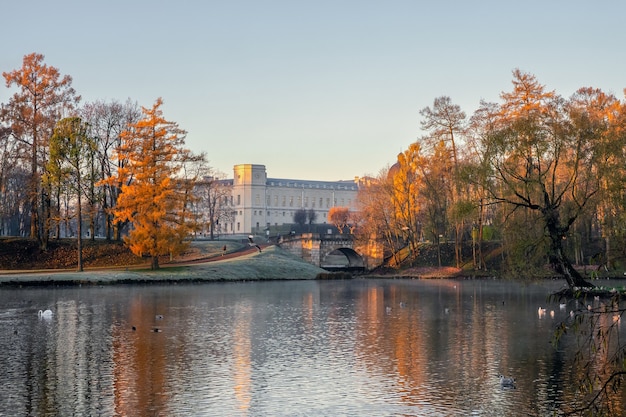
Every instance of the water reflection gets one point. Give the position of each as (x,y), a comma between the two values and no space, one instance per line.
(428,348)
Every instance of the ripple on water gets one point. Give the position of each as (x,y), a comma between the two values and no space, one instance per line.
(301,348)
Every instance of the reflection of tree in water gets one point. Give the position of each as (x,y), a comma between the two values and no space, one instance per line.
(598,367)
(140,364)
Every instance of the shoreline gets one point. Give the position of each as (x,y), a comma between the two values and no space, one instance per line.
(271,264)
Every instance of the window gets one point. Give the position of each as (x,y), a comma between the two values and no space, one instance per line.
(290,201)
(321,201)
(275,201)
(238,199)
(238,226)
(284,201)
(306,201)
(327,202)
(257,200)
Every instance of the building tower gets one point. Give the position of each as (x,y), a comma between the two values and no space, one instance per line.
(249,188)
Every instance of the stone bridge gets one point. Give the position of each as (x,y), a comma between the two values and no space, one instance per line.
(332,252)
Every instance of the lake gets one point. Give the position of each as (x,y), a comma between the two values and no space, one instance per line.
(357,347)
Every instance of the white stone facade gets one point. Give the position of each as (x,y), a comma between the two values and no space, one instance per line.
(261,204)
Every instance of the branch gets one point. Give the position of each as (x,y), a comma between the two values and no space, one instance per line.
(595,398)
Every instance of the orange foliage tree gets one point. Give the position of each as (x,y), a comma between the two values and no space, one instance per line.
(154,198)
(339,217)
(31,113)
(407,180)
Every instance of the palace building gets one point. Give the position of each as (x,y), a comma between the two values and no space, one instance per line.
(264,205)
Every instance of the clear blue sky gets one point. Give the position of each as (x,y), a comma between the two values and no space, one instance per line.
(319,89)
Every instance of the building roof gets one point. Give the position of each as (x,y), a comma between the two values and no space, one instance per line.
(329,185)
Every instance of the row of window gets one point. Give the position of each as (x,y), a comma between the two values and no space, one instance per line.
(276,214)
(291,201)
(351,187)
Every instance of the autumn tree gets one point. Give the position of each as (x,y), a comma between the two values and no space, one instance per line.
(477,172)
(434,195)
(600,120)
(405,196)
(151,202)
(445,125)
(69,163)
(545,164)
(339,217)
(375,214)
(42,97)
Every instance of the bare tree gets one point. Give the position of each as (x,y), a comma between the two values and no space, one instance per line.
(299,217)
(106,122)
(212,205)
(311,217)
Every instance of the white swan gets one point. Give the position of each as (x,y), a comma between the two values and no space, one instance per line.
(507,382)
(45,314)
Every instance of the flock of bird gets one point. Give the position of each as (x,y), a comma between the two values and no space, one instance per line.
(505,382)
(47,314)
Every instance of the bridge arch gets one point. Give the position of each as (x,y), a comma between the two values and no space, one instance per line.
(341,257)
(331,251)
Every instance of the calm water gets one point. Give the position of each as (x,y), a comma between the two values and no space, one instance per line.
(298,348)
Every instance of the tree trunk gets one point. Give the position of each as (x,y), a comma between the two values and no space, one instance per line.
(438,252)
(154,264)
(79,224)
(557,257)
(458,244)
(563,266)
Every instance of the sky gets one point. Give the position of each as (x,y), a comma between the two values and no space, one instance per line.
(318,90)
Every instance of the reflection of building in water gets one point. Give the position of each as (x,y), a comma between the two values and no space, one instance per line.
(257,203)
(242,372)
